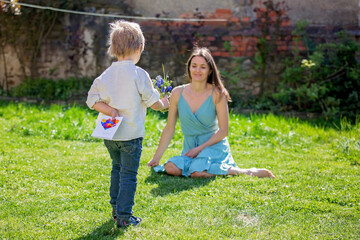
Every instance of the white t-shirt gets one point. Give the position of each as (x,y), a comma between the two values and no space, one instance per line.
(129,89)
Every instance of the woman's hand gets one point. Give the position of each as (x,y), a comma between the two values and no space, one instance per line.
(153,163)
(193,152)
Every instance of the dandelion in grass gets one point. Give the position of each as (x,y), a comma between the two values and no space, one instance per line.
(163,84)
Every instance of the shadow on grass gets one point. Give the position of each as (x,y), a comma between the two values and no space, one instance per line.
(170,184)
(108,230)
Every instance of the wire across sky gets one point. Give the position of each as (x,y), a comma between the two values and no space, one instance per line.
(116,15)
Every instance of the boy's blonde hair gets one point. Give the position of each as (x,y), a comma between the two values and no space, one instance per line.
(125,38)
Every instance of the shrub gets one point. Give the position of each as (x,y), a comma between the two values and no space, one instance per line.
(328,82)
(48,89)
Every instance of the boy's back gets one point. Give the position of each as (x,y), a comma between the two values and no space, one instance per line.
(128,89)
(125,90)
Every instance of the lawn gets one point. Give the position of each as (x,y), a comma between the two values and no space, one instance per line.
(54,181)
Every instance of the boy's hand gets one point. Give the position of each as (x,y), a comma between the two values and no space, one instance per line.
(165,101)
(153,163)
(106,109)
(114,114)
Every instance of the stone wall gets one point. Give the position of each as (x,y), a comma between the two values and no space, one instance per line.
(318,13)
(170,43)
(235,39)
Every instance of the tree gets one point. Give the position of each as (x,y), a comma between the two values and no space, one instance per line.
(27,30)
(7,13)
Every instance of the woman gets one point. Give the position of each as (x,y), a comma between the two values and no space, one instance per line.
(204,117)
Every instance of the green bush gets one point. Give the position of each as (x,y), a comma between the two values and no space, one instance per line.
(328,82)
(49,89)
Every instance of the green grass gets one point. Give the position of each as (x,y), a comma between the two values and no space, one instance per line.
(54,181)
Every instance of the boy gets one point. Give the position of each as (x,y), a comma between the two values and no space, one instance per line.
(125,90)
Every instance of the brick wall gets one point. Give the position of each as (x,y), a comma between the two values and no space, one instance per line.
(318,13)
(237,37)
(170,43)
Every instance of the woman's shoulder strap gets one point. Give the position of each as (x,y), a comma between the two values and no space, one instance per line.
(213,87)
(182,88)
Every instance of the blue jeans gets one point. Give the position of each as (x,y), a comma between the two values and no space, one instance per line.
(125,157)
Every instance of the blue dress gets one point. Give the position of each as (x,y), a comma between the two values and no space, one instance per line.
(197,128)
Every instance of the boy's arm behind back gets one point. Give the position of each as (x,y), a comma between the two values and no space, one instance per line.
(106,109)
(94,101)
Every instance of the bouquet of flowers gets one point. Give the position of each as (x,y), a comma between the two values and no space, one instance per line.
(163,84)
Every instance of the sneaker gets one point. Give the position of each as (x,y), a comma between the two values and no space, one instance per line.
(132,221)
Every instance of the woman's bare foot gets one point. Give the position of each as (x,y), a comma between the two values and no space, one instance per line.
(260,172)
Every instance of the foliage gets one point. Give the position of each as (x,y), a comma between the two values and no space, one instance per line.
(27,30)
(52,188)
(301,37)
(330,84)
(180,38)
(184,35)
(76,47)
(12,7)
(9,10)
(49,89)
(231,78)
(269,21)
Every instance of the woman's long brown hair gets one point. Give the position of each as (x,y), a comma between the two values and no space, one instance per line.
(214,77)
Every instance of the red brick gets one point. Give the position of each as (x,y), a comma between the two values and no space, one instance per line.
(225,54)
(282,48)
(272,15)
(217,24)
(250,40)
(285,23)
(235,20)
(237,38)
(222,13)
(242,48)
(249,54)
(216,54)
(246,19)
(226,38)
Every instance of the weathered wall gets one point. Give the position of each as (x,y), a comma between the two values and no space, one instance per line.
(162,42)
(323,12)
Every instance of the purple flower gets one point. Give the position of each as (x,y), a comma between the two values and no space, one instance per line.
(162,84)
(159,79)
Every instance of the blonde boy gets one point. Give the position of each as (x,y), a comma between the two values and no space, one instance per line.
(125,90)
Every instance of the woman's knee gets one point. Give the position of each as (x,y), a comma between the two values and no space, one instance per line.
(172,169)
